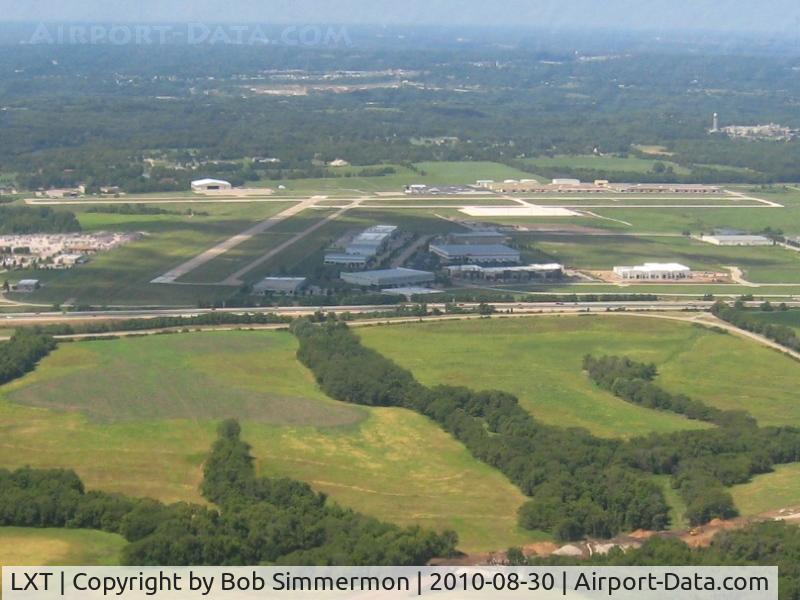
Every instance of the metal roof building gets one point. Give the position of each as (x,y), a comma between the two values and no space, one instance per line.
(362,247)
(737,240)
(206,185)
(280,285)
(388,278)
(476,253)
(654,271)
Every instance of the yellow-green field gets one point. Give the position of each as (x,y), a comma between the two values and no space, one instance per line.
(22,547)
(539,360)
(769,492)
(138,416)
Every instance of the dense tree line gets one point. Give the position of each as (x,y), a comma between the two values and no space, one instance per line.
(579,485)
(253,521)
(21,353)
(32,219)
(739,316)
(101,129)
(210,319)
(633,382)
(576,486)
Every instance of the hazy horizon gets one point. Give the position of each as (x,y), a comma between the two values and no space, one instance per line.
(779,17)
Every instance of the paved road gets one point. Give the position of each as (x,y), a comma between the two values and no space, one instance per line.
(646,310)
(526,307)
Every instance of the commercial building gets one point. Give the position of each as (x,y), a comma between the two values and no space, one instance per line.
(210,185)
(654,271)
(342,259)
(737,240)
(599,186)
(409,292)
(288,286)
(389,278)
(508,273)
(363,247)
(475,253)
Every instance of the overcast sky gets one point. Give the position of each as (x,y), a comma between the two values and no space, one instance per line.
(773,16)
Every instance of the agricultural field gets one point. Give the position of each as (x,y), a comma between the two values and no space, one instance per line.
(539,360)
(138,416)
(57,547)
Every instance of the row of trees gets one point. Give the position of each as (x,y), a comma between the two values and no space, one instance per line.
(206,319)
(633,382)
(16,220)
(740,316)
(579,485)
(255,520)
(21,353)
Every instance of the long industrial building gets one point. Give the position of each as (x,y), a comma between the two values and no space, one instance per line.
(475,253)
(600,186)
(737,240)
(389,278)
(363,247)
(654,271)
(515,273)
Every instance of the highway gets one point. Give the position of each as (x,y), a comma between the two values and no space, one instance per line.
(32,318)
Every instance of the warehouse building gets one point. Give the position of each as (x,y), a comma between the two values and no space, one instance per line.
(508,273)
(475,253)
(210,185)
(654,271)
(389,278)
(363,247)
(287,286)
(737,240)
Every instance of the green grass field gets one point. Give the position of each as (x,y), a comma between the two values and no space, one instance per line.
(123,276)
(609,163)
(138,416)
(432,173)
(772,491)
(58,547)
(539,360)
(400,466)
(760,265)
(251,375)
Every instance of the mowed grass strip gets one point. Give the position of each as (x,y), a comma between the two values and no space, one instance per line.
(200,377)
(59,547)
(401,467)
(539,360)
